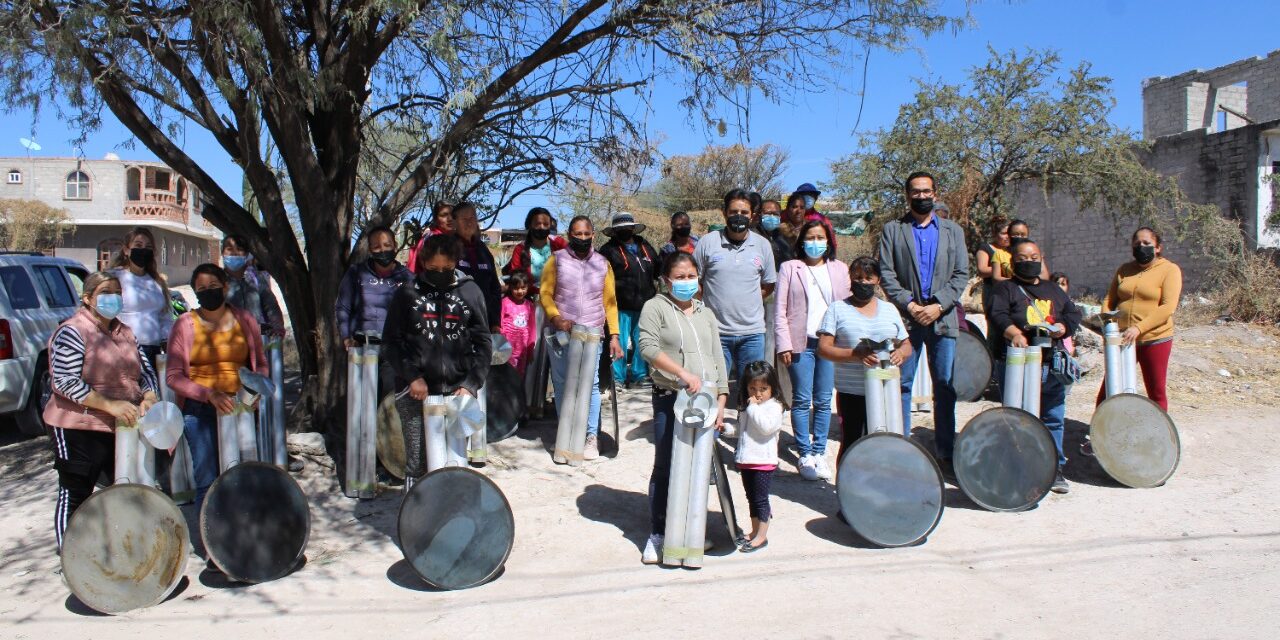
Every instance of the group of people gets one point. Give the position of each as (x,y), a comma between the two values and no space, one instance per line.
(728,310)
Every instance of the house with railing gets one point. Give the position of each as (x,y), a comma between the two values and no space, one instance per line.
(107,198)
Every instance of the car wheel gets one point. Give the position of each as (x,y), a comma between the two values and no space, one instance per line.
(31,419)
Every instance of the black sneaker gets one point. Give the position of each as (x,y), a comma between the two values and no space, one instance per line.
(1060,484)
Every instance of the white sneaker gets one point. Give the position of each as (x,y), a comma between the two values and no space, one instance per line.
(808,468)
(824,469)
(652,549)
(592,449)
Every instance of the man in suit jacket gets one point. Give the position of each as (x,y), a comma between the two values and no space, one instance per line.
(925,267)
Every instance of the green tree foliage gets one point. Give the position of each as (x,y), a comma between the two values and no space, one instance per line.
(31,225)
(1020,122)
(490,98)
(697,182)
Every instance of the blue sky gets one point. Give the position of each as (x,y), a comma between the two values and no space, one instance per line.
(1127,40)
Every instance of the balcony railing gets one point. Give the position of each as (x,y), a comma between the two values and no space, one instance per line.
(157,204)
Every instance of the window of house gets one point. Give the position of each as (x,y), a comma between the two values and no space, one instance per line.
(162,180)
(77,186)
(133,184)
(15,176)
(107,249)
(182,249)
(164,252)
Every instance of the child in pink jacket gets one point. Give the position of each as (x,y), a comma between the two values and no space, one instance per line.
(518,320)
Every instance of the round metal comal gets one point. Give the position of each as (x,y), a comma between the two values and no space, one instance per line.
(971,371)
(1005,459)
(890,490)
(255,522)
(390,437)
(1135,441)
(504,402)
(456,528)
(125,548)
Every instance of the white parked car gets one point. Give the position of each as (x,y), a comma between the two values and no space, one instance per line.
(37,293)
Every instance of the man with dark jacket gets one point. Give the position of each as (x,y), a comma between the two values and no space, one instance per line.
(924,268)
(633,261)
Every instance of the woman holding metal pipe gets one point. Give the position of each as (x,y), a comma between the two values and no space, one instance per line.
(578,288)
(100,377)
(367,288)
(680,339)
(807,287)
(859,316)
(207,347)
(435,342)
(1145,292)
(1019,304)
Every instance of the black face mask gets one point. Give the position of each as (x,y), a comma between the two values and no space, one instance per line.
(141,257)
(383,258)
(681,232)
(738,223)
(922,206)
(539,234)
(1027,270)
(211,299)
(862,291)
(624,235)
(437,279)
(1143,253)
(580,246)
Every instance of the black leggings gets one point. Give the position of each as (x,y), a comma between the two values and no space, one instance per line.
(853,421)
(79,456)
(756,483)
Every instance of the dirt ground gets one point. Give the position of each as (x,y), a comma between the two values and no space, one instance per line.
(1197,558)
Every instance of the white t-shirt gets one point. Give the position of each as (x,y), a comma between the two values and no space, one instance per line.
(146,310)
(849,327)
(818,290)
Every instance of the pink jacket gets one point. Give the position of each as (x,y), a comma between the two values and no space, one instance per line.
(791,301)
(178,373)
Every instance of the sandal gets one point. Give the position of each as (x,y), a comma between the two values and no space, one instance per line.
(750,548)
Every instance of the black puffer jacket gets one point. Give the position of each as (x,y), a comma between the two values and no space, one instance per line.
(633,273)
(439,335)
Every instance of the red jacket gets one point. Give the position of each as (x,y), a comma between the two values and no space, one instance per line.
(520,260)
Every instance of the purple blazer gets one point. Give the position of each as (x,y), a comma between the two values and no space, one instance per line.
(791,301)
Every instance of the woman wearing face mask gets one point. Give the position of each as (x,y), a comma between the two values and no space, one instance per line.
(249,288)
(771,228)
(1019,231)
(146,295)
(682,238)
(206,350)
(680,340)
(844,326)
(101,378)
(578,288)
(530,256)
(435,342)
(1146,293)
(367,287)
(807,287)
(809,196)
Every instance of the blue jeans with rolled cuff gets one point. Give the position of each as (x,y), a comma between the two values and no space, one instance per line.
(812,381)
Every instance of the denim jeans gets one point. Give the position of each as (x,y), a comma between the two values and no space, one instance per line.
(664,422)
(739,351)
(559,371)
(942,355)
(200,426)
(629,340)
(1053,408)
(812,381)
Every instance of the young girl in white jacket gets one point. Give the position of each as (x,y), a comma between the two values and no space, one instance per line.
(757,455)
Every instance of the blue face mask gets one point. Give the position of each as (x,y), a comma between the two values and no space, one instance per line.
(769,223)
(109,305)
(684,290)
(234,263)
(815,248)
(808,202)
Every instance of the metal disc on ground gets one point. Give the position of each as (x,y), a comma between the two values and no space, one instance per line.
(971,371)
(255,522)
(890,490)
(456,528)
(505,402)
(390,437)
(1005,459)
(1135,441)
(125,548)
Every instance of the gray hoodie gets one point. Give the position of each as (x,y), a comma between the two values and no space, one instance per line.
(693,341)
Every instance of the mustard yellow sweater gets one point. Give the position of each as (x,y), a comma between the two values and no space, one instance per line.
(1146,298)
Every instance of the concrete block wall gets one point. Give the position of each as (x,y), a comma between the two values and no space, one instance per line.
(1173,105)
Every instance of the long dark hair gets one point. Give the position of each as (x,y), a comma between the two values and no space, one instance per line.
(759,370)
(804,229)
